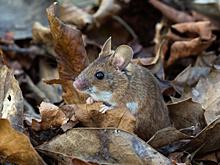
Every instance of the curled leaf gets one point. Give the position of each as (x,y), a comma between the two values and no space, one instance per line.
(182,49)
(202,28)
(71,14)
(41,34)
(107,8)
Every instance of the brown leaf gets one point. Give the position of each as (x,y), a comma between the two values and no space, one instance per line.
(120,117)
(15,147)
(193,29)
(72,59)
(107,8)
(206,141)
(166,136)
(171,13)
(201,94)
(41,34)
(11,99)
(69,111)
(187,113)
(209,157)
(68,44)
(71,14)
(155,64)
(189,76)
(182,49)
(105,146)
(70,94)
(51,116)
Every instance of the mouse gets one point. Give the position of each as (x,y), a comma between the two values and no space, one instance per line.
(113,79)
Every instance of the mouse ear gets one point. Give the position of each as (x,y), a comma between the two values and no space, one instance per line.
(106,48)
(122,56)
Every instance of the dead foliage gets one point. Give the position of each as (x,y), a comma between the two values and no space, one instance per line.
(40,107)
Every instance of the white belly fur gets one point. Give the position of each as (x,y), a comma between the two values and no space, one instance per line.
(132,107)
(101,96)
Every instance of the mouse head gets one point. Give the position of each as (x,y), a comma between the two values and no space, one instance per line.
(106,73)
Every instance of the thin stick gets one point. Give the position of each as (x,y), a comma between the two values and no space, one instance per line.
(23,50)
(121,21)
(36,90)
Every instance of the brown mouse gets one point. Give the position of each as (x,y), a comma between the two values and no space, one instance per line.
(112,79)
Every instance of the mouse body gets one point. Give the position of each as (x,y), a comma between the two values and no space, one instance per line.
(112,79)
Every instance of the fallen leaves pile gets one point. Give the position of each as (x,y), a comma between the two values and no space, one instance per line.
(44,120)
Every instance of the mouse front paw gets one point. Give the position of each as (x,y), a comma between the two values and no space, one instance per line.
(90,100)
(105,108)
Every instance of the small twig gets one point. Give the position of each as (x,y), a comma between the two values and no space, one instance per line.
(23,50)
(121,21)
(36,90)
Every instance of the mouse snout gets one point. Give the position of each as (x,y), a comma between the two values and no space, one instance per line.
(81,84)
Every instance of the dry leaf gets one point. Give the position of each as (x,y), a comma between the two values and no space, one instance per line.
(193,29)
(51,116)
(15,147)
(206,141)
(41,34)
(201,93)
(187,113)
(171,13)
(105,146)
(189,76)
(69,46)
(71,58)
(71,14)
(182,49)
(107,8)
(209,157)
(120,117)
(11,99)
(166,136)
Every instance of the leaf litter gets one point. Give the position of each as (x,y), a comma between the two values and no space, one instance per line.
(190,90)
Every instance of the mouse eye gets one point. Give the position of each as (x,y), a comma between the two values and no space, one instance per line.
(99,75)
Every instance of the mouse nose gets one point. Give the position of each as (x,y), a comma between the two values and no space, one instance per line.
(81,84)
